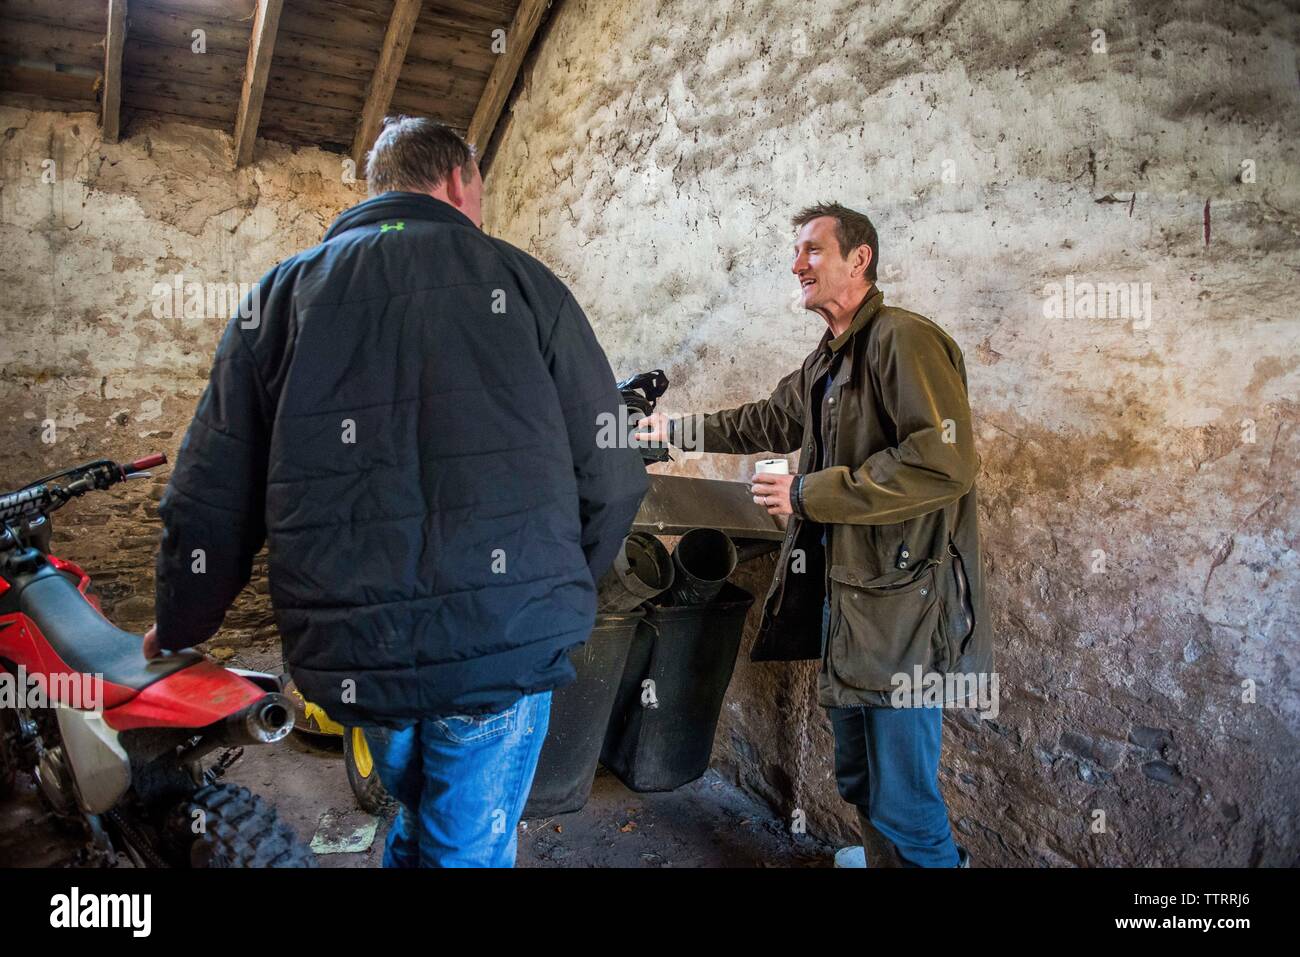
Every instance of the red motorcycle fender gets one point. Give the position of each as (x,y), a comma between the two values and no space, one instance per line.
(193,697)
(76,571)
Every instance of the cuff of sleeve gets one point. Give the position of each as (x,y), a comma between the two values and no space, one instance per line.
(796,496)
(808,485)
(169,640)
(687,435)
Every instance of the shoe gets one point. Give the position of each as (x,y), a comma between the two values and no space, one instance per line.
(877,851)
(852,856)
(963,857)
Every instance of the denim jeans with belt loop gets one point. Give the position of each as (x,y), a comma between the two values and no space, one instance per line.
(461,783)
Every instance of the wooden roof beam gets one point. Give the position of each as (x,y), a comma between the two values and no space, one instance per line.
(380,93)
(518,39)
(261,47)
(110,114)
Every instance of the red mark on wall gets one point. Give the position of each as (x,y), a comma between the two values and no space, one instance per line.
(1205,219)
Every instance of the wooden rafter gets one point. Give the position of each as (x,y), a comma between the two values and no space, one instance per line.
(261,48)
(380,93)
(110,116)
(518,39)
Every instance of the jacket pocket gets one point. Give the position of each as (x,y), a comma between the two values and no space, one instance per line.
(880,632)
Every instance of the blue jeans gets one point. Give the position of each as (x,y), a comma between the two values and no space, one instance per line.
(887,763)
(461,783)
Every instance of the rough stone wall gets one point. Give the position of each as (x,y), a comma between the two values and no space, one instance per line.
(93,361)
(1139,499)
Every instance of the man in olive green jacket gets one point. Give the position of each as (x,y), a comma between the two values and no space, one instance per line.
(880,573)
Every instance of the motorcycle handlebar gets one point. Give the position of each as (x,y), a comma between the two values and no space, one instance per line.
(45,496)
(146,463)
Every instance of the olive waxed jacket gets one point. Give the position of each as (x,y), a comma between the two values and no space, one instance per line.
(902,561)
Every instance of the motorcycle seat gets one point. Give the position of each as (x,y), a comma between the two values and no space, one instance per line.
(87,641)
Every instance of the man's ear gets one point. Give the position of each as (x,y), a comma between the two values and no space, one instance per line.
(455,188)
(861,261)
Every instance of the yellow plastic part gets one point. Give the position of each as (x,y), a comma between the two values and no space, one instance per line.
(316,716)
(361,753)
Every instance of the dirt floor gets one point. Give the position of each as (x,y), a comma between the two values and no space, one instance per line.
(709,823)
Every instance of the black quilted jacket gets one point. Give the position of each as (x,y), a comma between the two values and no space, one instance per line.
(409,422)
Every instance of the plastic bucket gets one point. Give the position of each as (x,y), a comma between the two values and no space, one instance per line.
(579,713)
(660,733)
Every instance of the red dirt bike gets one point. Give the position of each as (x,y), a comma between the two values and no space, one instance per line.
(118,742)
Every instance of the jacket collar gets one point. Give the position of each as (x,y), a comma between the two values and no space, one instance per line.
(831,347)
(397,205)
(870,306)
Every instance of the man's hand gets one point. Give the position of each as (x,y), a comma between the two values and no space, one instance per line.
(151,647)
(772,491)
(653,428)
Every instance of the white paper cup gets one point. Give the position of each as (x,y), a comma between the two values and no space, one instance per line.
(774,467)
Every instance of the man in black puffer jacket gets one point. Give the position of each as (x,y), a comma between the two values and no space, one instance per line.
(408,416)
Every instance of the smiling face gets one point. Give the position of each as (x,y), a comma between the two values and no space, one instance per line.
(825,275)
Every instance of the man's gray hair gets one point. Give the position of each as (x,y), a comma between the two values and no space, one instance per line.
(852,229)
(415,154)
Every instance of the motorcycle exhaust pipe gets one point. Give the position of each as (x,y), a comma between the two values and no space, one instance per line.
(704,558)
(642,569)
(265,721)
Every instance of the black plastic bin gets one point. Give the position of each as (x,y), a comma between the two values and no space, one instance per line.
(689,652)
(579,714)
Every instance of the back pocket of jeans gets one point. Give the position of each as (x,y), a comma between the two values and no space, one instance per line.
(467,728)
